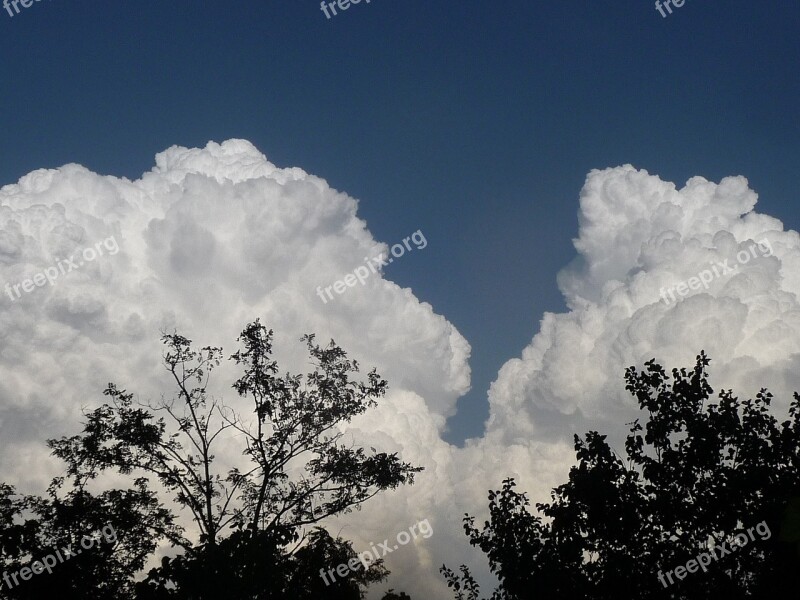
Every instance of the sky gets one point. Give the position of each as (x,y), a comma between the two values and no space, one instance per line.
(540,148)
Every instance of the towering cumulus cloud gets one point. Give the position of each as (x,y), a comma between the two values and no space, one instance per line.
(638,237)
(208,240)
(214,237)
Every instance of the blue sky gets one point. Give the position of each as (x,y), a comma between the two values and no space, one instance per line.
(475,122)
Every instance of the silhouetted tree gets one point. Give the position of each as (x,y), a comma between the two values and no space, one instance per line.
(253,564)
(89,545)
(251,539)
(698,473)
(322,554)
(391,595)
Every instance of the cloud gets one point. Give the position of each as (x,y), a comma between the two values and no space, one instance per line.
(208,240)
(638,235)
(214,237)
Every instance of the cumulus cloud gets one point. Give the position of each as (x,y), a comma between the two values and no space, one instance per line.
(214,237)
(208,240)
(639,236)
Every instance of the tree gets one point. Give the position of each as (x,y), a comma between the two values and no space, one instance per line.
(251,538)
(251,564)
(391,595)
(323,554)
(698,474)
(85,545)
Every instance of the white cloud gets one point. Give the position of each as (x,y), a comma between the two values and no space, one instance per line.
(212,238)
(637,235)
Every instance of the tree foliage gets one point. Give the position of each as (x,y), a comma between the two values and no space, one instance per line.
(254,533)
(697,473)
(32,527)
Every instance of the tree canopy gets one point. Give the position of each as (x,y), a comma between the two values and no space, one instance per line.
(697,473)
(255,527)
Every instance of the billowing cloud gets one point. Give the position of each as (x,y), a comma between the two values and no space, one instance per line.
(208,240)
(660,272)
(214,237)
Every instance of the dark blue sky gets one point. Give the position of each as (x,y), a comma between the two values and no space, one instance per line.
(471,120)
